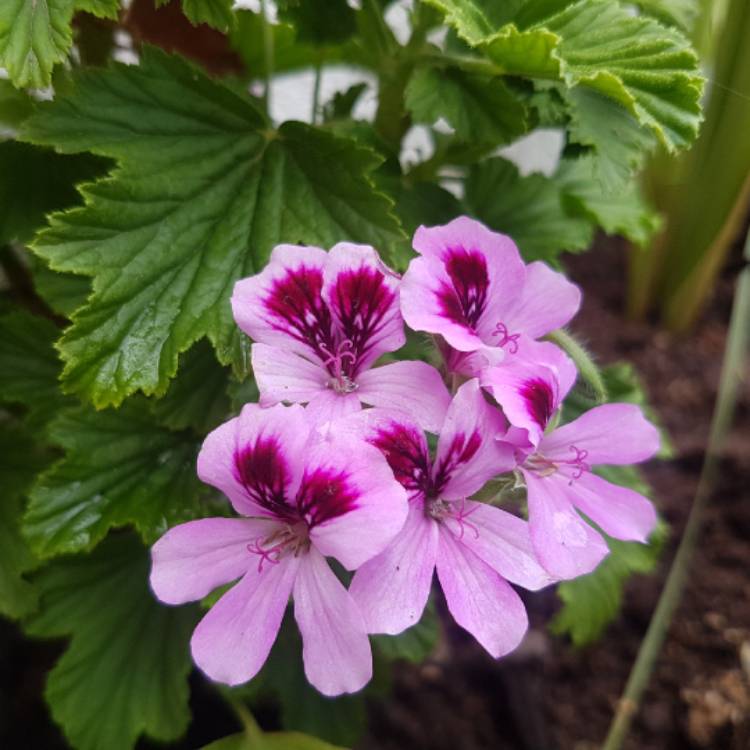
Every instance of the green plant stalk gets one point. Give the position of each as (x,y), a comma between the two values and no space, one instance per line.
(316,94)
(267,56)
(733,371)
(703,196)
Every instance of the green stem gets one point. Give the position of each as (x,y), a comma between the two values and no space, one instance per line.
(316,94)
(267,56)
(583,361)
(385,39)
(733,370)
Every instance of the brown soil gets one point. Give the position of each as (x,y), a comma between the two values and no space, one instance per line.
(550,696)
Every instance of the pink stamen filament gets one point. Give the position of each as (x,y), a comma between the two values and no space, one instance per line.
(545,467)
(271,548)
(507,338)
(340,381)
(440,510)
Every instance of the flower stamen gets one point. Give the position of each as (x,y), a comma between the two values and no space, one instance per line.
(507,338)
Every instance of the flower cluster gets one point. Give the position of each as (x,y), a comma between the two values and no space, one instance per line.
(335,462)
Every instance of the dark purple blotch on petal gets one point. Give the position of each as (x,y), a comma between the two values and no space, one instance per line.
(297,308)
(464,299)
(404,448)
(461,450)
(362,301)
(261,469)
(539,400)
(325,494)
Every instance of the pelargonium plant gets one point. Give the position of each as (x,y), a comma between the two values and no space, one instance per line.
(345,303)
(350,475)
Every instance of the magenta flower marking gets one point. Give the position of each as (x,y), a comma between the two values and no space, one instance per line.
(559,482)
(302,501)
(471,287)
(474,547)
(319,321)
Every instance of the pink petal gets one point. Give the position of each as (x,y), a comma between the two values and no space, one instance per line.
(283,375)
(356,506)
(503,541)
(364,301)
(392,588)
(528,394)
(328,406)
(478,598)
(415,388)
(335,647)
(282,306)
(481,271)
(545,353)
(548,301)
(231,643)
(256,456)
(610,434)
(424,290)
(192,559)
(618,511)
(468,455)
(564,543)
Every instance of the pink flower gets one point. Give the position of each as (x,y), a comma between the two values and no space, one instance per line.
(320,320)
(557,466)
(473,546)
(559,483)
(303,501)
(470,286)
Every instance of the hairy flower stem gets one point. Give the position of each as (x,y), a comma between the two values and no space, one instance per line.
(585,364)
(733,370)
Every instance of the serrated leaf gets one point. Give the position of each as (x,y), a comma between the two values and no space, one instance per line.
(530,209)
(197,398)
(125,671)
(120,467)
(592,601)
(620,143)
(203,191)
(35,35)
(20,460)
(63,292)
(216,13)
(680,13)
(29,366)
(481,109)
(35,181)
(649,69)
(623,212)
(343,102)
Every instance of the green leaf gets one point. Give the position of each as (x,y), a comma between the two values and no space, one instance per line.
(481,109)
(29,367)
(271,741)
(216,13)
(592,601)
(35,181)
(649,69)
(120,467)
(35,35)
(620,143)
(680,13)
(125,670)
(203,192)
(197,397)
(342,103)
(339,720)
(425,203)
(414,644)
(320,22)
(20,460)
(15,107)
(529,209)
(63,292)
(624,212)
